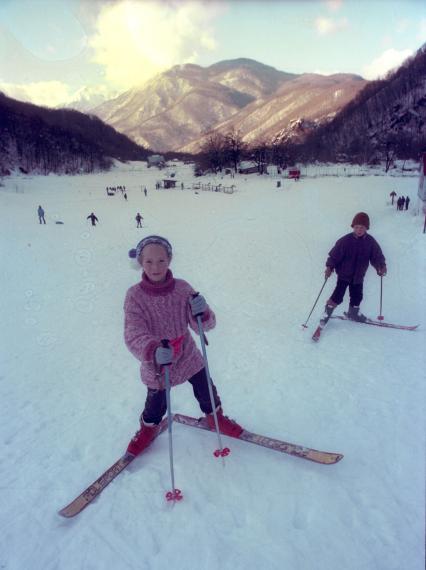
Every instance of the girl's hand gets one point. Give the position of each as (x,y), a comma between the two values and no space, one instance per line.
(198,305)
(163,355)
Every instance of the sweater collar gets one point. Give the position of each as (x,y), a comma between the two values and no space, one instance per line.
(162,288)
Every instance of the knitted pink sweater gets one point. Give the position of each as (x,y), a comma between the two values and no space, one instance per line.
(157,311)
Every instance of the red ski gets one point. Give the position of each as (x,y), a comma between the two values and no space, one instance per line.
(317,334)
(324,457)
(93,490)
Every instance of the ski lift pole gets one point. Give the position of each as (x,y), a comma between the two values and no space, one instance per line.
(222,451)
(174,494)
(316,301)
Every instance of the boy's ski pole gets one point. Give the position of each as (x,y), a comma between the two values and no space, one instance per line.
(380,317)
(316,301)
(174,494)
(221,452)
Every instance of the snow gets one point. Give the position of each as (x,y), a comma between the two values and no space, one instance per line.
(71,393)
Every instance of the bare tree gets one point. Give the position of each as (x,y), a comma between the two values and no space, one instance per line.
(213,151)
(234,147)
(260,155)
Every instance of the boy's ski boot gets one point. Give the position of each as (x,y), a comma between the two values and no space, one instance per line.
(226,425)
(354,315)
(328,311)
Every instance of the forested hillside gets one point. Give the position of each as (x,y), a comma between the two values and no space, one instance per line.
(386,119)
(38,139)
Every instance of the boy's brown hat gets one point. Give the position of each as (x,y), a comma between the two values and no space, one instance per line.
(361,219)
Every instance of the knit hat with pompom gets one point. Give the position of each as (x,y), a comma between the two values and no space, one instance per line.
(361,219)
(158,240)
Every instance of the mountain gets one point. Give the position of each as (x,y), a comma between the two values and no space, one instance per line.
(296,108)
(176,107)
(88,97)
(38,139)
(387,117)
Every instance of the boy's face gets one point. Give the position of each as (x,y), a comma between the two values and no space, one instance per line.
(155,262)
(359,230)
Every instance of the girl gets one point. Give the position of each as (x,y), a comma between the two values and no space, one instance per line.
(162,307)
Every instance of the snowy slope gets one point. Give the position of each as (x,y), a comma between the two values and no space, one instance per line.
(71,394)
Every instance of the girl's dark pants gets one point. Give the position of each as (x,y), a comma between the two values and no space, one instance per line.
(156,403)
(355,293)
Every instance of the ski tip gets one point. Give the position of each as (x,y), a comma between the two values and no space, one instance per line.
(66,513)
(316,335)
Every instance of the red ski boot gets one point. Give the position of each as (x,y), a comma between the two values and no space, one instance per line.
(142,438)
(226,425)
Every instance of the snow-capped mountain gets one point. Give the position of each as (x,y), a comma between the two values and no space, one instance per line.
(175,109)
(89,97)
(293,110)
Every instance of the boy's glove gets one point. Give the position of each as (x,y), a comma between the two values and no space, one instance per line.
(381,272)
(198,305)
(328,271)
(163,355)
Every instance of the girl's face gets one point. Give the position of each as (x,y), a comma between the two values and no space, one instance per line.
(155,262)
(359,230)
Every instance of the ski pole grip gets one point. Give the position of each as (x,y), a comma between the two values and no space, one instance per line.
(199,322)
(166,344)
(194,295)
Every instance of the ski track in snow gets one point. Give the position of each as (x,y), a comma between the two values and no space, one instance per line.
(71,394)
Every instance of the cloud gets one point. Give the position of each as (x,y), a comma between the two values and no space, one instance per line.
(334,5)
(45,93)
(422,30)
(389,59)
(134,40)
(325,26)
(57,94)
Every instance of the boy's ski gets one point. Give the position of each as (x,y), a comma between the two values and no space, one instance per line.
(317,334)
(324,457)
(93,490)
(377,323)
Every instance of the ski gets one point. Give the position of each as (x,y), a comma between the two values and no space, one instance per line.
(317,334)
(324,457)
(93,490)
(378,323)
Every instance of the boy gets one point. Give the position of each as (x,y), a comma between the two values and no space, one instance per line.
(350,258)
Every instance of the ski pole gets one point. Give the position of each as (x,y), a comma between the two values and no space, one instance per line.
(380,317)
(316,301)
(174,494)
(221,452)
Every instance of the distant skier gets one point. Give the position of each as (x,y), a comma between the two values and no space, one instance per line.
(138,219)
(40,213)
(145,191)
(161,307)
(393,196)
(407,201)
(93,218)
(125,196)
(350,258)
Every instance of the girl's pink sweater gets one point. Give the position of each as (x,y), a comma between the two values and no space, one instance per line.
(157,311)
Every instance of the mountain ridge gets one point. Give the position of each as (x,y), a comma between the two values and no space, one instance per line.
(176,108)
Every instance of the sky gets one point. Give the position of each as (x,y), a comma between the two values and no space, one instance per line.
(53,52)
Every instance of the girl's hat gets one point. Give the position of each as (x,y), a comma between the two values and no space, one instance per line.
(135,253)
(361,219)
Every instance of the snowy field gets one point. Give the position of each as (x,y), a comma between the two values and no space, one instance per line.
(71,393)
